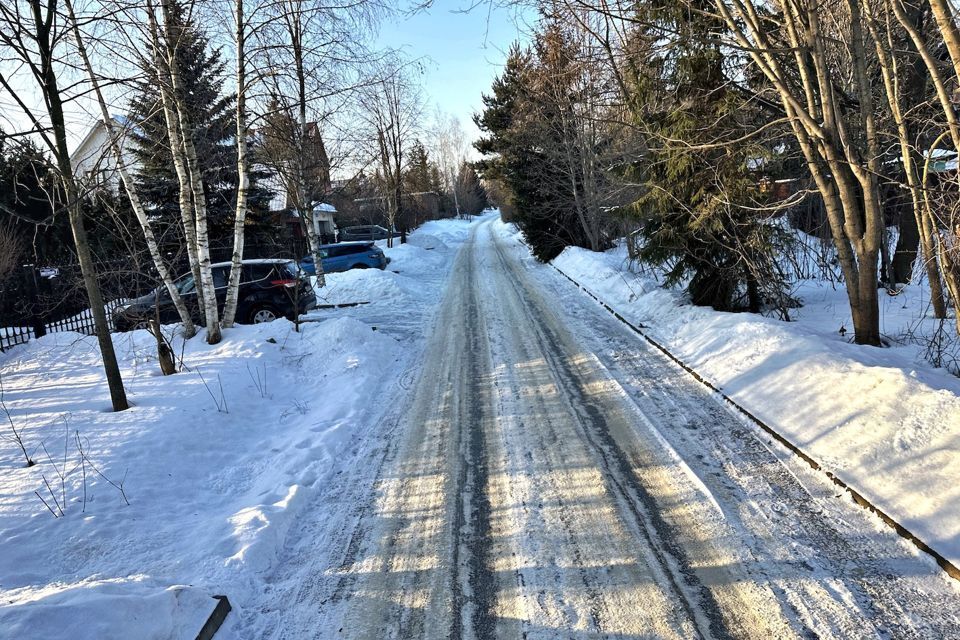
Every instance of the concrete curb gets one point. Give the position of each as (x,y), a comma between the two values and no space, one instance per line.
(951,569)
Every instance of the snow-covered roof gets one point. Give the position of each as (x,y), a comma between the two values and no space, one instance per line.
(942,160)
(324,207)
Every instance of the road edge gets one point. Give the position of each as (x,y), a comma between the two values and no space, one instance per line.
(948,567)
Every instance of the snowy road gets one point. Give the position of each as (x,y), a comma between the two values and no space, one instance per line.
(545,474)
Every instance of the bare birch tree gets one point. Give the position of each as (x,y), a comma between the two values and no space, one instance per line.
(192,198)
(160,76)
(450,150)
(33,36)
(314,51)
(173,34)
(113,137)
(243,165)
(391,106)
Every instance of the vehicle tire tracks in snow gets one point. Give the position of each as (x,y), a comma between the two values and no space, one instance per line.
(595,414)
(837,573)
(548,475)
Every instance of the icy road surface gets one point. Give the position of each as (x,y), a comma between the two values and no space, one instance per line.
(548,475)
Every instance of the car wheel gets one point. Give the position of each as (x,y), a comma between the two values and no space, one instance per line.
(360,265)
(259,315)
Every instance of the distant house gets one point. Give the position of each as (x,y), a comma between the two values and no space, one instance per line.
(277,157)
(322,219)
(93,161)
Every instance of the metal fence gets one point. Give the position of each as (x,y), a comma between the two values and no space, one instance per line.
(36,301)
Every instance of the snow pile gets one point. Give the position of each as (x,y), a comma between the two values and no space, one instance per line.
(427,242)
(99,609)
(216,461)
(883,420)
(425,254)
(449,232)
(365,285)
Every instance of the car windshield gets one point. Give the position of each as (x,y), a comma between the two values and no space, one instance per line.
(185,284)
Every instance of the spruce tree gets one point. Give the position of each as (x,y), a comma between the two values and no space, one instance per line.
(521,132)
(418,176)
(699,213)
(202,70)
(473,197)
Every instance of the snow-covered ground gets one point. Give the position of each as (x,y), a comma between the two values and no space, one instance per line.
(883,420)
(550,475)
(216,461)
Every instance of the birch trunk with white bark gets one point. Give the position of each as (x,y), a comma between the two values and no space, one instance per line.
(174,138)
(209,297)
(243,172)
(295,30)
(188,327)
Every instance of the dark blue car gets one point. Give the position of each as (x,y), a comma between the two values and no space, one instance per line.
(345,256)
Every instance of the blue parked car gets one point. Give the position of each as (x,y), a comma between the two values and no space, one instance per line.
(345,256)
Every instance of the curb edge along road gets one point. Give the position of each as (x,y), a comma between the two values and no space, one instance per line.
(951,569)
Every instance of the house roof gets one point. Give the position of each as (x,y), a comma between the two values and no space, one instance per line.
(942,160)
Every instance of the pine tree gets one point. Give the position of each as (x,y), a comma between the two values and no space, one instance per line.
(436,180)
(202,72)
(418,177)
(520,128)
(699,210)
(473,197)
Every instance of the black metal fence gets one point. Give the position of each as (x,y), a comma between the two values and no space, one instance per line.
(35,301)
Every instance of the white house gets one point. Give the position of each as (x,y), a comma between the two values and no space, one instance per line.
(95,165)
(323,222)
(94,162)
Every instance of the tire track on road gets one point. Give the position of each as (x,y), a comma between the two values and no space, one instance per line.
(698,602)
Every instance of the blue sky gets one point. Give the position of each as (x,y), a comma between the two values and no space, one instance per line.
(463,52)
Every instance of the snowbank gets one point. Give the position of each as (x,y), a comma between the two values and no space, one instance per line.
(213,477)
(883,420)
(424,255)
(216,462)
